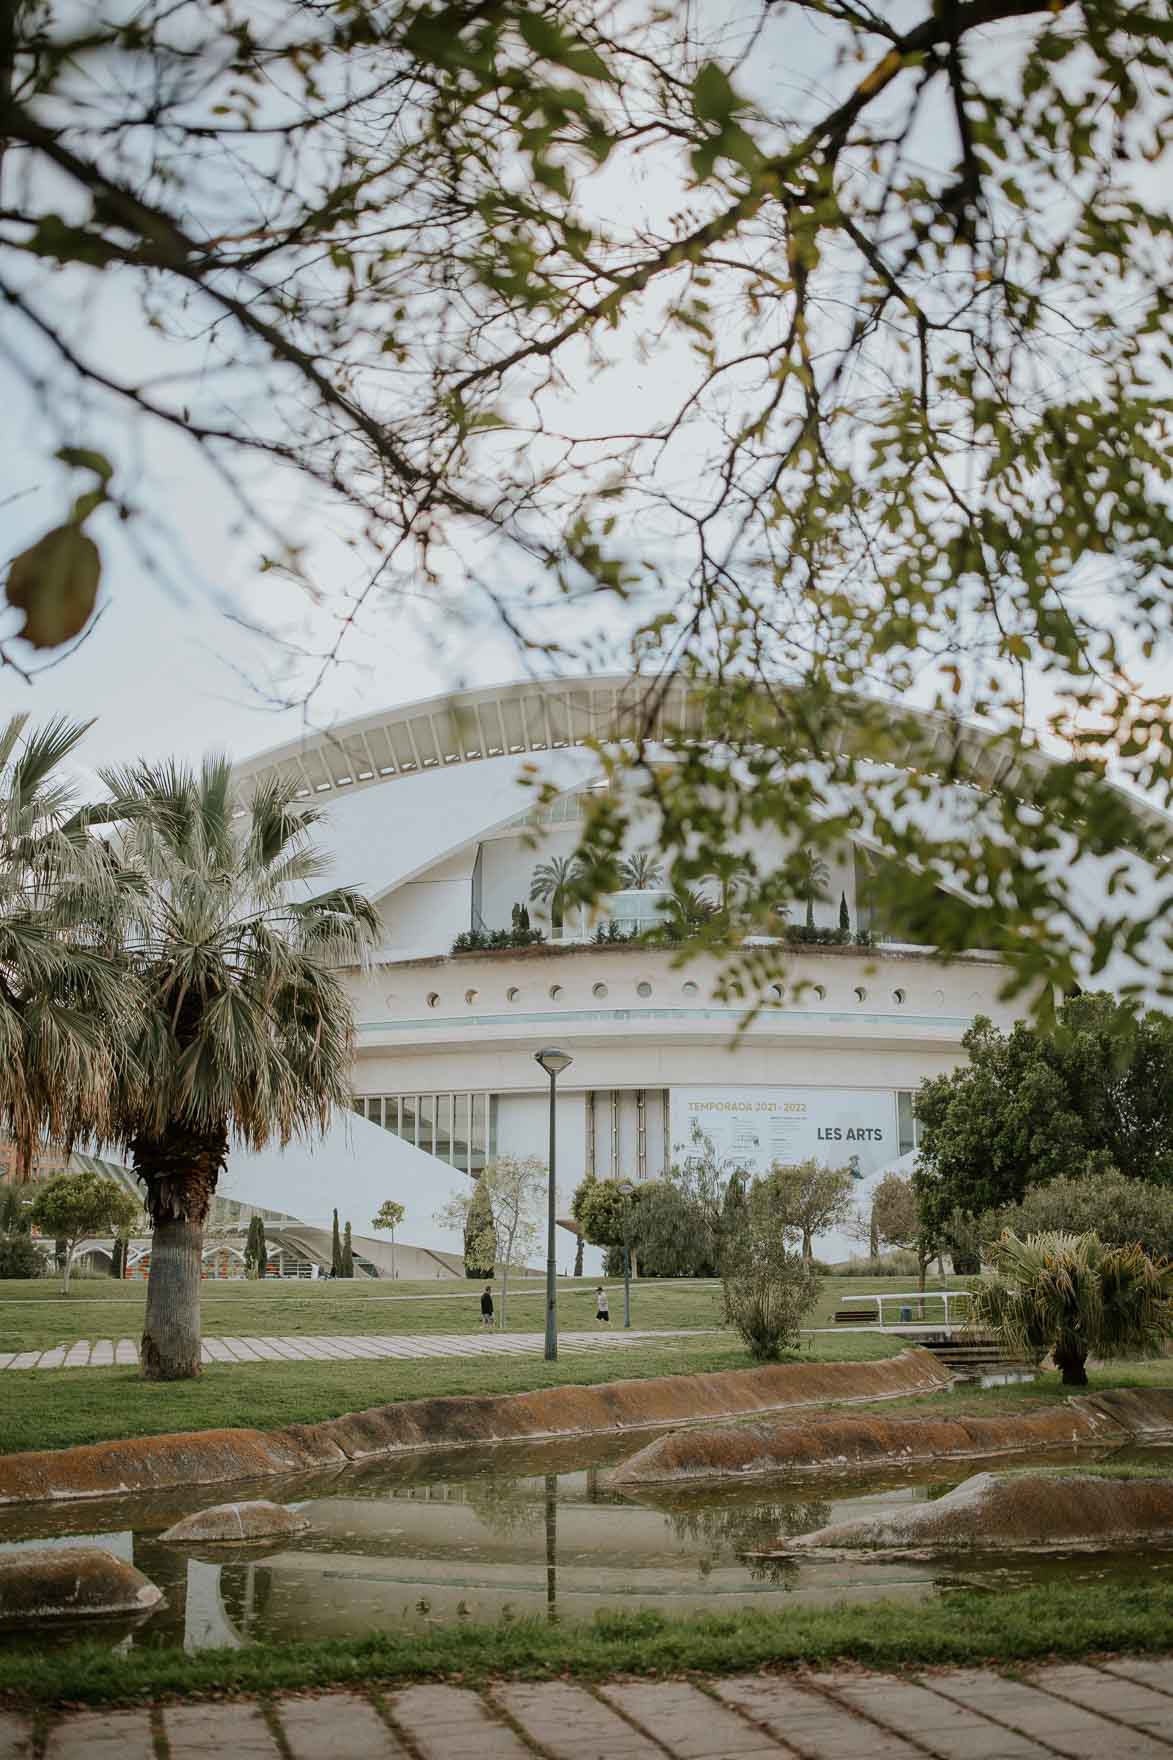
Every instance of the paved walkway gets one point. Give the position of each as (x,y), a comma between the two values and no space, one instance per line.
(338,1348)
(1122,1709)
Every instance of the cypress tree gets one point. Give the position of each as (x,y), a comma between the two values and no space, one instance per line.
(733,1212)
(336,1257)
(844,918)
(480,1235)
(347,1254)
(262,1247)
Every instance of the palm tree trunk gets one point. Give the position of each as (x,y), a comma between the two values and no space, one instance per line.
(179,1168)
(578,1252)
(171,1324)
(1072,1364)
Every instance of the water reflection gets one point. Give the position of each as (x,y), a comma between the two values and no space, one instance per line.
(519,1533)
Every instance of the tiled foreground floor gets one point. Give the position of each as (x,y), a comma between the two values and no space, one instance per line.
(331,1348)
(1121,1710)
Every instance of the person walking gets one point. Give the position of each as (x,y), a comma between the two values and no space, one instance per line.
(487,1306)
(602,1311)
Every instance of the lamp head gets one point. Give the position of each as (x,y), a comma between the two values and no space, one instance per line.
(626,1188)
(553,1061)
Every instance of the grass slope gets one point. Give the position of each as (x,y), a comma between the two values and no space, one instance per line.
(962,1627)
(55,1408)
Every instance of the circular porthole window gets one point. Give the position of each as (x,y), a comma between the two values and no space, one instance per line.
(899,997)
(433,998)
(938,997)
(861,994)
(512,994)
(643,988)
(389,999)
(820,995)
(470,996)
(776,994)
(599,992)
(691,989)
(555,992)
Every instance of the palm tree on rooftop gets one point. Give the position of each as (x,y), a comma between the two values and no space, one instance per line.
(245,1033)
(641,872)
(554,882)
(66,1001)
(813,875)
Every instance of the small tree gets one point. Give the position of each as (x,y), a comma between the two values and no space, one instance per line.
(336,1250)
(480,1233)
(74,1205)
(1073,1296)
(347,1253)
(389,1216)
(844,915)
(896,1221)
(768,1288)
(811,1198)
(516,1190)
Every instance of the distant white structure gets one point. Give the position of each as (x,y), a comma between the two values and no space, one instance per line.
(430,810)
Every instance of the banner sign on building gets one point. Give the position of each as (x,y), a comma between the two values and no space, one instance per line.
(755,1127)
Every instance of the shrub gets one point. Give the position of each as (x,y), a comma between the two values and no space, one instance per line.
(19,1257)
(492,940)
(1121,1211)
(898,1264)
(769,1288)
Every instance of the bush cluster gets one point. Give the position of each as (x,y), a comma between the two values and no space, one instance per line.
(485,940)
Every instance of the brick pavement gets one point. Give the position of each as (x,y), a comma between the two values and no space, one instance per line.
(334,1348)
(1113,1710)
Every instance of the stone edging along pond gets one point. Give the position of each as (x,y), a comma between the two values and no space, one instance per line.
(846,1439)
(210,1457)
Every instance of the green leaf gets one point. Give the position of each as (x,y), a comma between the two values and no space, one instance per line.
(713,98)
(83,458)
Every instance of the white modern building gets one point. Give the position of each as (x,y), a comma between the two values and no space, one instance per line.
(430,809)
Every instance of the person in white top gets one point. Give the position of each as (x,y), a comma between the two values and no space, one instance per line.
(602,1311)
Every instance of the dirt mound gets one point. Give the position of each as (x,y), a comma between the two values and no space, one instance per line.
(208,1457)
(70,1582)
(235,1522)
(1024,1510)
(834,1440)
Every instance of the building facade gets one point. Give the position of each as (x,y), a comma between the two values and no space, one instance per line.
(431,810)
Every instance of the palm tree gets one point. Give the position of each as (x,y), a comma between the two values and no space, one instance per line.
(554,882)
(1073,1296)
(641,872)
(733,875)
(813,875)
(245,1031)
(66,1001)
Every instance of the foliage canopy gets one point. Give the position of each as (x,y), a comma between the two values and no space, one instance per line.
(1031,1106)
(895,325)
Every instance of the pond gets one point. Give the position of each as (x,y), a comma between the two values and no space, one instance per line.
(525,1531)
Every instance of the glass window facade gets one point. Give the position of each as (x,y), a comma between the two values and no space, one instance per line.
(906,1121)
(460,1129)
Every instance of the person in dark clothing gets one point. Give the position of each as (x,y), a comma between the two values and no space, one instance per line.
(487,1307)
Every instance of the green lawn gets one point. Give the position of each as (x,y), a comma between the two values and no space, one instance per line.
(55,1408)
(961,1627)
(35,1315)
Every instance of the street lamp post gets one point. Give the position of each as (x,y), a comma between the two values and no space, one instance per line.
(553,1062)
(625,1192)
